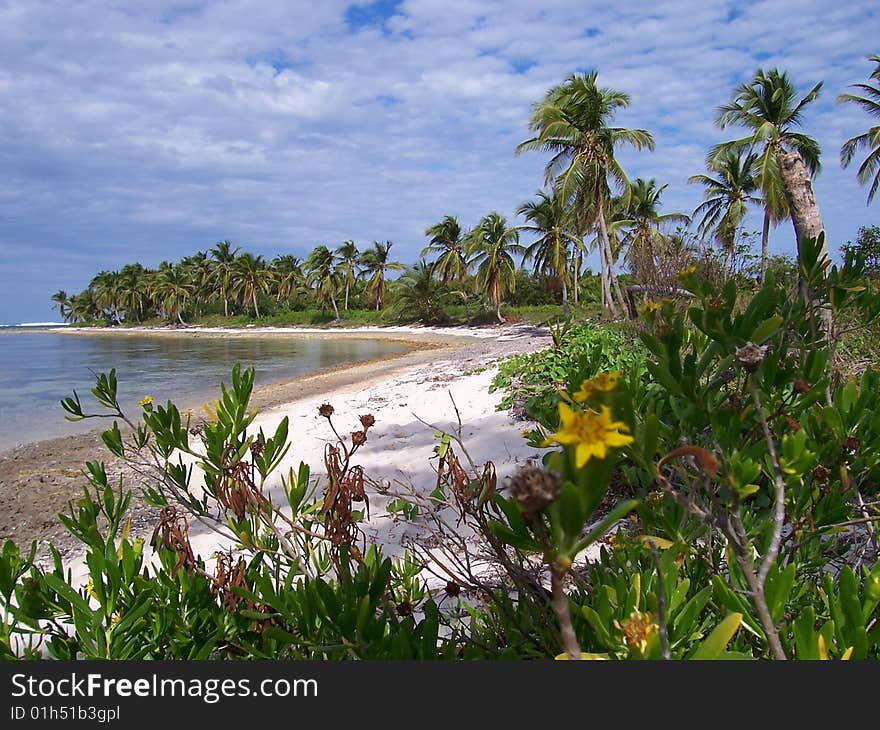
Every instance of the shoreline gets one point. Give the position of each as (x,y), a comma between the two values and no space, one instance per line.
(38,479)
(263,396)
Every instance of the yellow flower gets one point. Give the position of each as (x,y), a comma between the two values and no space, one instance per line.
(689,271)
(637,630)
(603,382)
(590,432)
(649,306)
(147,400)
(90,588)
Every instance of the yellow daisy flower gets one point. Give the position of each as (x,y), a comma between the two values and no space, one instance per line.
(147,400)
(649,306)
(603,382)
(689,271)
(590,432)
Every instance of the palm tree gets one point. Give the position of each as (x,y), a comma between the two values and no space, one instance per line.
(869,140)
(767,106)
(105,287)
(572,123)
(551,251)
(490,247)
(421,295)
(83,307)
(322,272)
(448,240)
(173,289)
(642,226)
(224,258)
(133,291)
(62,304)
(201,273)
(727,190)
(250,275)
(376,264)
(289,277)
(348,257)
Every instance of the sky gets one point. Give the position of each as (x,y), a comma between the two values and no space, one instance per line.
(135,131)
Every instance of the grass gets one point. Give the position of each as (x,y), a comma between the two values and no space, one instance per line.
(456,315)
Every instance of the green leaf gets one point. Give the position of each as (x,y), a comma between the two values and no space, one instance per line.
(684,623)
(506,535)
(714,644)
(766,329)
(68,594)
(806,637)
(620,511)
(777,590)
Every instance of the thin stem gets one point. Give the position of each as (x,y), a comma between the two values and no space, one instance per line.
(779,501)
(661,604)
(740,544)
(560,605)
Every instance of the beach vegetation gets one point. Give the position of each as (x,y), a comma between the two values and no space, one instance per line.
(707,494)
(707,419)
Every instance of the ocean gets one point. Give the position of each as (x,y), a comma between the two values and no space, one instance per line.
(38,369)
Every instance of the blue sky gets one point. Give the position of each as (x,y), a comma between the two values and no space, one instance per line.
(148,131)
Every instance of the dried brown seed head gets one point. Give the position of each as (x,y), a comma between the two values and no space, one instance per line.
(367,420)
(257,447)
(452,588)
(325,410)
(533,488)
(801,386)
(852,444)
(750,355)
(358,438)
(821,473)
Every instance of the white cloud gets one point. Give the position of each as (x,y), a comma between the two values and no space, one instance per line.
(143,132)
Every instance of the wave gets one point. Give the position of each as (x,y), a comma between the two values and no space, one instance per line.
(37,324)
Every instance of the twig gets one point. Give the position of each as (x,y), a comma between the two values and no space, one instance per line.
(661,603)
(779,502)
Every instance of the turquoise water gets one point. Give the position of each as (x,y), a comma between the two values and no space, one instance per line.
(38,369)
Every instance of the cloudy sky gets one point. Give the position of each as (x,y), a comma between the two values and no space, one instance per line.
(135,131)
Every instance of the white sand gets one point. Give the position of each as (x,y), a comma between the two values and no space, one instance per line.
(400,448)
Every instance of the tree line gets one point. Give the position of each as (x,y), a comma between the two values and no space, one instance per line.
(587,204)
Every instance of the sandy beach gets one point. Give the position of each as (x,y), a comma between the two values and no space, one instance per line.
(37,480)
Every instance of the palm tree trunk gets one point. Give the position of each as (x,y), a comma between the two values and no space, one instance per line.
(346,298)
(805,216)
(603,276)
(576,272)
(254,298)
(603,241)
(335,308)
(565,312)
(798,190)
(496,296)
(765,245)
